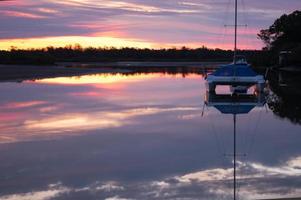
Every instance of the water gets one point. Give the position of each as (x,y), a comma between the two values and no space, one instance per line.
(141,136)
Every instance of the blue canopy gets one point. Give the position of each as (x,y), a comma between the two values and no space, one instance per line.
(234,70)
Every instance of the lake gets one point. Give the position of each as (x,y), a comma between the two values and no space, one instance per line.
(144,136)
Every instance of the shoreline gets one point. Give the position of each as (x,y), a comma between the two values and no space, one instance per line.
(142,64)
(19,73)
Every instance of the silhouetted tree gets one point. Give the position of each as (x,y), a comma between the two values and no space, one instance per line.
(284,33)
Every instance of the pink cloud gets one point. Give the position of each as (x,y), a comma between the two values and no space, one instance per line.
(47,10)
(25,104)
(17,3)
(22,14)
(87,94)
(6,117)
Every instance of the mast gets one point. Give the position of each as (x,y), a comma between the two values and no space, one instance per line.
(235,33)
(234,157)
(234,116)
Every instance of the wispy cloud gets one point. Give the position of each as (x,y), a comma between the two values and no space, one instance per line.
(22,14)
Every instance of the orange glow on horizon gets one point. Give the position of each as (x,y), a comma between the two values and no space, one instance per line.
(114,40)
(62,41)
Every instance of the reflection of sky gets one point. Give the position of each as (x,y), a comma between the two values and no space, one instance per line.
(137,137)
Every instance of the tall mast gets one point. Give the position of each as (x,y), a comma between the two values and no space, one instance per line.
(234,157)
(235,34)
(234,116)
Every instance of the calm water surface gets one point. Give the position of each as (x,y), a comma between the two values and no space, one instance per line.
(140,136)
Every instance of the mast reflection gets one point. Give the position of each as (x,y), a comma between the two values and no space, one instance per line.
(234,104)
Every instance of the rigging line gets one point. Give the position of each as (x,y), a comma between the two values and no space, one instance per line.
(219,146)
(216,128)
(248,147)
(223,38)
(246,21)
(244,13)
(247,131)
(245,136)
(238,180)
(255,132)
(248,151)
(251,117)
(239,186)
(241,180)
(221,135)
(219,143)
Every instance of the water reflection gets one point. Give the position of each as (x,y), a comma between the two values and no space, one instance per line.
(71,106)
(285,94)
(139,136)
(235,104)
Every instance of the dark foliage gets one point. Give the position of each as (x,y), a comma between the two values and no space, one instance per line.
(76,53)
(284,100)
(284,35)
(32,56)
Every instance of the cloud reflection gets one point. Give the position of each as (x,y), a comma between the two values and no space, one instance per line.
(38,195)
(212,183)
(86,103)
(95,120)
(77,123)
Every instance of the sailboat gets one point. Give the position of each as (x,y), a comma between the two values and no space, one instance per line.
(238,74)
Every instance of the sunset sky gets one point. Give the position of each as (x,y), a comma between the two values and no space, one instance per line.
(136,23)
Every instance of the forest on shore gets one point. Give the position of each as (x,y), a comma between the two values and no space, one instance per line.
(75,53)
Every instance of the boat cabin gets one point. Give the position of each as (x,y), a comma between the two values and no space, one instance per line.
(240,60)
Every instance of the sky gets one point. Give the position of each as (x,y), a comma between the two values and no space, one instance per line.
(136,23)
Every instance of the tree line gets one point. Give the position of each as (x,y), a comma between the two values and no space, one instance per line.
(76,53)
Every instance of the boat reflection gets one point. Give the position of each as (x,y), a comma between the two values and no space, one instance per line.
(234,104)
